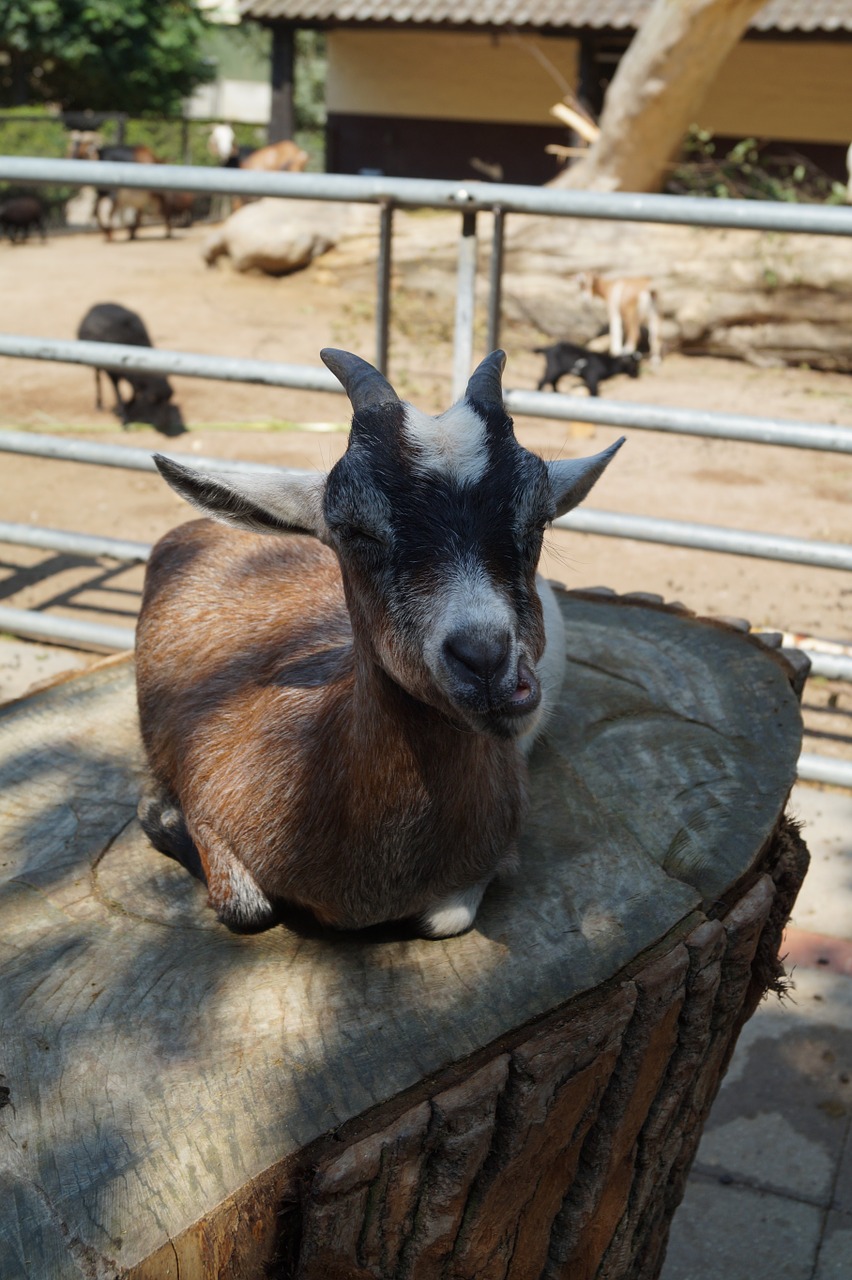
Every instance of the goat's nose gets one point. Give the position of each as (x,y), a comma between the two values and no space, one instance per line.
(485,657)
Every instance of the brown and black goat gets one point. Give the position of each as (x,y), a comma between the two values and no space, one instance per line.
(340,721)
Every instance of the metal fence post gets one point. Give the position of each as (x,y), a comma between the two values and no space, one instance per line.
(383,285)
(495,287)
(465,305)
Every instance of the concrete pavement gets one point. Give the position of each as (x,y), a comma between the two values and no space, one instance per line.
(770,1193)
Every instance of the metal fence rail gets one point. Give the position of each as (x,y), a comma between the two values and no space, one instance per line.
(468,199)
(612,524)
(413,193)
(539,404)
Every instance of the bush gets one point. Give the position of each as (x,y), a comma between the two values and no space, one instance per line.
(750,170)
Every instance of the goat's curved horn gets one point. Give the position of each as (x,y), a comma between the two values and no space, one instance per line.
(486,381)
(364,385)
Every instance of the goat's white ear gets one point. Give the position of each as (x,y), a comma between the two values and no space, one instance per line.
(572,478)
(253,503)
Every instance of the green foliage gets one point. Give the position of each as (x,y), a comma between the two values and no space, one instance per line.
(139,56)
(37,133)
(309,81)
(749,171)
(32,131)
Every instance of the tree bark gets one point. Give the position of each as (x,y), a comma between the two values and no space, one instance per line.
(660,82)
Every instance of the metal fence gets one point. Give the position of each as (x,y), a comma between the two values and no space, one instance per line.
(469,200)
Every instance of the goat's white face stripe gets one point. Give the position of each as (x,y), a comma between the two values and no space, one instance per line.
(467,601)
(454,444)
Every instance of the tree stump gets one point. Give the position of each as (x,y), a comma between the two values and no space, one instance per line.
(521,1102)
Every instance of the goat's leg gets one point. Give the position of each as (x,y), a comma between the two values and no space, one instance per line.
(120,406)
(453,914)
(163,822)
(616,324)
(654,331)
(232,891)
(105,223)
(99,402)
(633,331)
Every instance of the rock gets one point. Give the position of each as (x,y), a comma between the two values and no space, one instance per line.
(280,236)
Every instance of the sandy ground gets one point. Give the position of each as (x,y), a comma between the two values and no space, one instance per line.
(46,289)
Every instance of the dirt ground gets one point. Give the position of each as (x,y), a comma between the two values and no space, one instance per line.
(46,289)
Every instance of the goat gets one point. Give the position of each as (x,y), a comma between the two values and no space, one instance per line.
(277,156)
(340,721)
(152,393)
(593,367)
(19,214)
(631,302)
(87,146)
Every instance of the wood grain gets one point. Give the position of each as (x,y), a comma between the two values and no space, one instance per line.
(167,1078)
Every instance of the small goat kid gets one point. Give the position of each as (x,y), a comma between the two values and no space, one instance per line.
(340,721)
(631,302)
(594,367)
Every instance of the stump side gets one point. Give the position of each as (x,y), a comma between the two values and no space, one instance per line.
(562,1157)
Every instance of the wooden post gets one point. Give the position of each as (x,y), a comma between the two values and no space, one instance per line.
(282,118)
(524,1101)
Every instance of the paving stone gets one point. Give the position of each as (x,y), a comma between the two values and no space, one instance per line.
(824,904)
(781,1119)
(835,1253)
(736,1233)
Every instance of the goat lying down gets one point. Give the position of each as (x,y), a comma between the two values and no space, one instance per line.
(340,720)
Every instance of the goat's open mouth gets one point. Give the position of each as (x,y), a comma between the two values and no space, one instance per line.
(526,695)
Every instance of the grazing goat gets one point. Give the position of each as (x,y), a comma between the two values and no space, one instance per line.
(150,401)
(630,303)
(340,721)
(593,367)
(18,216)
(119,201)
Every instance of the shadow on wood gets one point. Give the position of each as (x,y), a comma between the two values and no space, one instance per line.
(522,1101)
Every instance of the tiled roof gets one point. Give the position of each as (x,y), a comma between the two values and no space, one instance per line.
(776,15)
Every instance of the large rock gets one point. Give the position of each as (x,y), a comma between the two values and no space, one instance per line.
(280,236)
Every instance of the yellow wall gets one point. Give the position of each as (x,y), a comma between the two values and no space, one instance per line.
(442,76)
(769,89)
(778,90)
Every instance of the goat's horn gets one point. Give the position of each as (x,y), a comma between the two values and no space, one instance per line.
(486,381)
(364,385)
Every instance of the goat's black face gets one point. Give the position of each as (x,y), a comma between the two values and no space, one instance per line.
(438,526)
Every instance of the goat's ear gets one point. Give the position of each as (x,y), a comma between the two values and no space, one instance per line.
(572,478)
(253,503)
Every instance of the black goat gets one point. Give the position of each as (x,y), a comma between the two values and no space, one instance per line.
(19,214)
(152,393)
(593,367)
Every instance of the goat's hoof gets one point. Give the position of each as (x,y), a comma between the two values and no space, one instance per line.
(238,900)
(241,921)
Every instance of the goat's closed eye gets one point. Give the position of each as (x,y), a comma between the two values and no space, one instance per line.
(365,537)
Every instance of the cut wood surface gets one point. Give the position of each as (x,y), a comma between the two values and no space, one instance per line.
(160,1068)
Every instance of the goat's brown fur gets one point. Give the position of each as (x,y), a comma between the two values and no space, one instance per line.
(360,794)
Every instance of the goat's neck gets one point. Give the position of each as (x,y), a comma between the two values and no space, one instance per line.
(385,715)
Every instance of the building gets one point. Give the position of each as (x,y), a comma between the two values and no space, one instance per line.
(464,88)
